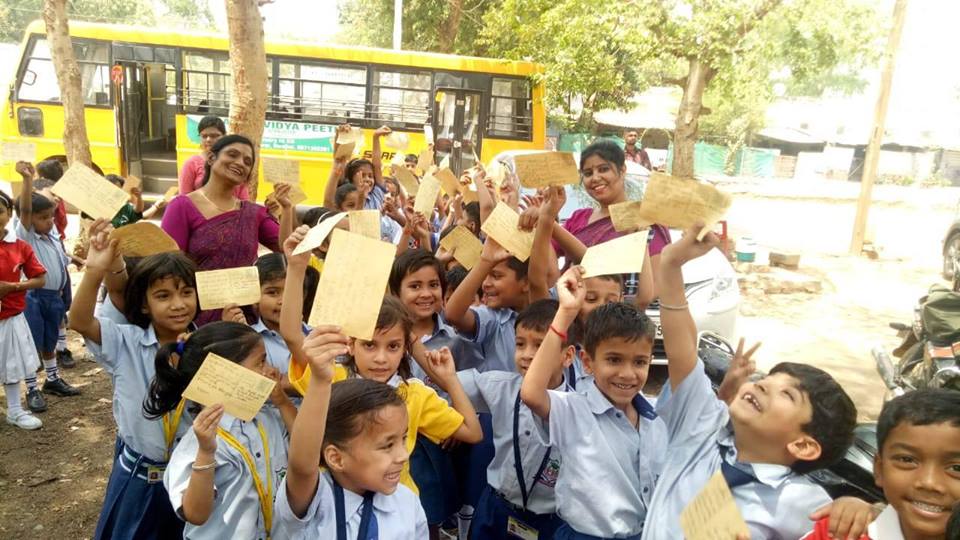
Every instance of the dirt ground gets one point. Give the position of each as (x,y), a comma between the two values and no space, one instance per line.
(52,480)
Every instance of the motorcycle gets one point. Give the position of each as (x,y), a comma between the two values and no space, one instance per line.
(852,475)
(929,352)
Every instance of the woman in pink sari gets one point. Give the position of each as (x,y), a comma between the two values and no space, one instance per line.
(213,226)
(210,129)
(603,170)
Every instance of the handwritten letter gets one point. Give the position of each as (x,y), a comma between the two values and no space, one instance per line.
(626,216)
(242,391)
(618,256)
(14,152)
(406,179)
(90,192)
(142,239)
(448,180)
(281,170)
(353,283)
(427,196)
(713,514)
(365,222)
(316,235)
(501,225)
(546,169)
(679,202)
(464,246)
(217,288)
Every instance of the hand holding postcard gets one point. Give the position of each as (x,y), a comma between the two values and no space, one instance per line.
(679,203)
(503,226)
(316,235)
(142,239)
(90,192)
(217,288)
(544,169)
(713,513)
(241,391)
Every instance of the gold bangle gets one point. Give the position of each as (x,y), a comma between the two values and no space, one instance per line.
(206,467)
(668,307)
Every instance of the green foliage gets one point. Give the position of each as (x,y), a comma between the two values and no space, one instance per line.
(16,14)
(370,23)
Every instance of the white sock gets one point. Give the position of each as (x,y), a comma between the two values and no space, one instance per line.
(62,339)
(12,391)
(50,366)
(464,517)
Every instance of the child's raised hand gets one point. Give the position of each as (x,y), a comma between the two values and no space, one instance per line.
(281,192)
(205,427)
(442,367)
(26,169)
(291,243)
(322,347)
(849,517)
(688,247)
(103,251)
(741,368)
(233,313)
(493,252)
(381,131)
(571,290)
(528,218)
(554,199)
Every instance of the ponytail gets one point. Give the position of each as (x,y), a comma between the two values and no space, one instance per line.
(177,363)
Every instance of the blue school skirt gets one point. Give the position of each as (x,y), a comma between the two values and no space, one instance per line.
(432,469)
(471,462)
(44,313)
(493,513)
(136,505)
(565,532)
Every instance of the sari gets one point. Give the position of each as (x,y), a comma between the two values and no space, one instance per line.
(601,230)
(228,240)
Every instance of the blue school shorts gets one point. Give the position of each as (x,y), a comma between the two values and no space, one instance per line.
(432,469)
(493,512)
(565,532)
(45,310)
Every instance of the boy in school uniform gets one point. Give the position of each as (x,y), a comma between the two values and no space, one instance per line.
(519,496)
(795,420)
(918,467)
(46,307)
(609,439)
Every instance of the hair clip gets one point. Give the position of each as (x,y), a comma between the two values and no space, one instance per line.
(180,345)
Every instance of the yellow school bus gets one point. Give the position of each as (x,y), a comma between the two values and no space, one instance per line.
(146,89)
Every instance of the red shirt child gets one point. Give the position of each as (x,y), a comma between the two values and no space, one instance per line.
(16,256)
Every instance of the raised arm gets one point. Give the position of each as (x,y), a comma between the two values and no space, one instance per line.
(26,193)
(533,391)
(542,257)
(291,313)
(321,347)
(457,312)
(336,170)
(377,160)
(572,247)
(645,291)
(288,213)
(102,259)
(444,373)
(679,329)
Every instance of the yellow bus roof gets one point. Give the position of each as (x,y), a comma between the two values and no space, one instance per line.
(208,40)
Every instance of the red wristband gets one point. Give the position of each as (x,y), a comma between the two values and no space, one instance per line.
(563,335)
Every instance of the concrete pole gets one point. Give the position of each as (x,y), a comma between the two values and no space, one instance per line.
(397,24)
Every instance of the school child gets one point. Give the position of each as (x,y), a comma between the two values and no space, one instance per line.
(505,291)
(314,217)
(918,438)
(20,271)
(52,170)
(455,277)
(224,473)
(46,306)
(347,453)
(520,480)
(347,198)
(608,437)
(131,212)
(385,358)
(795,420)
(160,304)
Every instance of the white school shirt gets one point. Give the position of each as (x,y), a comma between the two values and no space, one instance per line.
(236,506)
(399,515)
(49,251)
(495,392)
(278,354)
(608,468)
(128,352)
(466,354)
(774,507)
(495,336)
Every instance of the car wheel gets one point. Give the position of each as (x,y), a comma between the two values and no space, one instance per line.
(951,250)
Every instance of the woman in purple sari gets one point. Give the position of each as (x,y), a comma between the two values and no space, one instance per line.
(214,227)
(603,170)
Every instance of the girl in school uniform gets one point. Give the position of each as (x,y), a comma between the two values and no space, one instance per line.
(361,444)
(159,303)
(224,473)
(385,358)
(18,356)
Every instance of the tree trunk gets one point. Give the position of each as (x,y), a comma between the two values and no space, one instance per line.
(68,78)
(450,26)
(688,117)
(248,63)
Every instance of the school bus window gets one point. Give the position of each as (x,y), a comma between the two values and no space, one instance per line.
(320,91)
(402,97)
(206,82)
(39,81)
(510,109)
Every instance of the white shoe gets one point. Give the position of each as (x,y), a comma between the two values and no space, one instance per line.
(25,420)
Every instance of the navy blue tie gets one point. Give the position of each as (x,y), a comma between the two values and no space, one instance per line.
(735,477)
(368,520)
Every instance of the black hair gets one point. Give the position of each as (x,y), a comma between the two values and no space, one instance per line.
(341,194)
(354,406)
(616,320)
(115,180)
(38,203)
(518,267)
(411,261)
(271,267)
(230,340)
(411,157)
(918,408)
(147,272)
(392,313)
(472,211)
(211,121)
(455,277)
(539,315)
(834,414)
(608,151)
(953,524)
(354,166)
(392,181)
(222,143)
(312,216)
(41,184)
(310,281)
(51,169)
